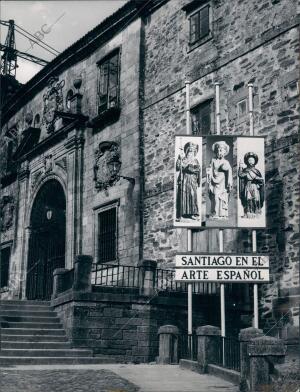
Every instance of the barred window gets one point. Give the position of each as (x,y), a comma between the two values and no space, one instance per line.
(202,118)
(5,258)
(199,24)
(108,92)
(107,234)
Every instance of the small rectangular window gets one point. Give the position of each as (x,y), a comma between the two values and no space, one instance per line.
(5,259)
(202,118)
(107,235)
(199,24)
(108,89)
(242,108)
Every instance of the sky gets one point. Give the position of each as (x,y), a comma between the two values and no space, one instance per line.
(58,23)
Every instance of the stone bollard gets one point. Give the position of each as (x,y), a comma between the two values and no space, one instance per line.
(264,352)
(168,344)
(245,337)
(147,277)
(83,273)
(58,281)
(208,345)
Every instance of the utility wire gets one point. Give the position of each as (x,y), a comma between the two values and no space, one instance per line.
(36,42)
(35,38)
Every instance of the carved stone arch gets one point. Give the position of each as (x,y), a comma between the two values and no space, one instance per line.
(40,182)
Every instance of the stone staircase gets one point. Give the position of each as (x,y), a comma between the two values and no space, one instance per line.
(31,333)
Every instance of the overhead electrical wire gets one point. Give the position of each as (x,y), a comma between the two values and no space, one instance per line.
(39,43)
(34,37)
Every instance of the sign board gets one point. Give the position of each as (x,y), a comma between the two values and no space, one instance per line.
(219,181)
(222,268)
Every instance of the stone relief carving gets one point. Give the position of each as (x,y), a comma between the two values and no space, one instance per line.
(7,206)
(106,152)
(48,163)
(53,101)
(62,163)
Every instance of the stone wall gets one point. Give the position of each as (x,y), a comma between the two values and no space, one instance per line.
(258,43)
(121,323)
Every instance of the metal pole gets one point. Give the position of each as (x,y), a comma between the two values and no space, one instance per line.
(255,287)
(254,244)
(189,233)
(221,238)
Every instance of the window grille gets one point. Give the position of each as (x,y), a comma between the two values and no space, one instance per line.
(108,93)
(107,235)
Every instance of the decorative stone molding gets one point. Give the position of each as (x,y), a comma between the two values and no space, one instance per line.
(62,163)
(7,206)
(106,152)
(35,178)
(53,101)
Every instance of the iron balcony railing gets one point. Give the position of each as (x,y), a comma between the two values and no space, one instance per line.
(115,275)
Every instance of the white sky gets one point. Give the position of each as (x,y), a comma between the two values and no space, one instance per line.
(64,22)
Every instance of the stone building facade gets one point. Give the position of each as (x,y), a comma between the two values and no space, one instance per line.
(110,106)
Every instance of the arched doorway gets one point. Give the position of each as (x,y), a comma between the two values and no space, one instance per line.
(46,249)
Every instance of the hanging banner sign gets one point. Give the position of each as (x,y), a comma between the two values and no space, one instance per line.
(222,267)
(232,171)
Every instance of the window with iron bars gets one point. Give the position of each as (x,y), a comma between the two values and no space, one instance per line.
(202,118)
(108,87)
(107,234)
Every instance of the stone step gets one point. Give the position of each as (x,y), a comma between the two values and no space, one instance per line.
(45,353)
(25,308)
(44,345)
(29,325)
(34,338)
(31,319)
(27,313)
(8,361)
(33,331)
(25,302)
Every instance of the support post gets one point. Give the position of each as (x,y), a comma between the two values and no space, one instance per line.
(254,245)
(189,233)
(168,344)
(264,353)
(208,346)
(147,276)
(83,273)
(245,337)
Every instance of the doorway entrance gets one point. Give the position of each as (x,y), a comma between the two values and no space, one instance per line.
(47,240)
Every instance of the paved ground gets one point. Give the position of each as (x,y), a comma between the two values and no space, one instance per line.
(109,378)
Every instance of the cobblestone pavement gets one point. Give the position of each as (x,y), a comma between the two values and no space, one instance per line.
(109,378)
(65,380)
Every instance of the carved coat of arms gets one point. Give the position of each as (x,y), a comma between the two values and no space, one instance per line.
(103,176)
(53,101)
(7,207)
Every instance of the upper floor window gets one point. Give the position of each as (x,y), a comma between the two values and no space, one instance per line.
(202,118)
(108,95)
(200,24)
